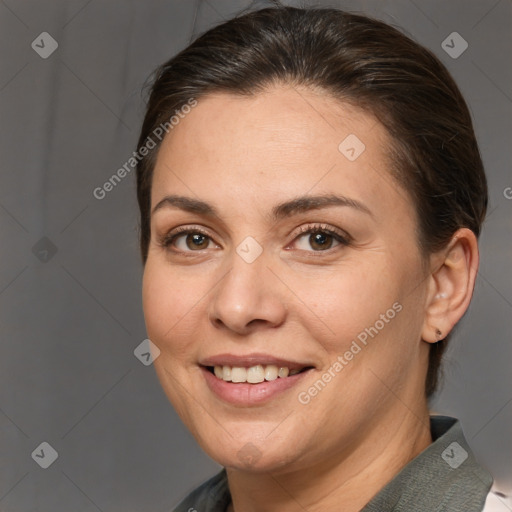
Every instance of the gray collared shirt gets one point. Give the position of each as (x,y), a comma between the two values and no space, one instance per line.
(445,477)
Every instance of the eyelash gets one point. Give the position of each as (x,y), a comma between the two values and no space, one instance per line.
(169,238)
(342,238)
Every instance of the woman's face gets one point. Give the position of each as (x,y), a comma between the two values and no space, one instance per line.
(279,239)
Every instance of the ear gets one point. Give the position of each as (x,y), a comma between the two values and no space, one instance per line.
(451,285)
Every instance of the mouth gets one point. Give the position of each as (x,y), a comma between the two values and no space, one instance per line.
(253,379)
(254,374)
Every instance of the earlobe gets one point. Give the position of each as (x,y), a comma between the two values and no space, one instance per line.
(451,285)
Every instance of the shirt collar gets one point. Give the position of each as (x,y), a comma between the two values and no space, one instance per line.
(444,476)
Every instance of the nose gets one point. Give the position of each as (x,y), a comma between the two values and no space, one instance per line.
(248,298)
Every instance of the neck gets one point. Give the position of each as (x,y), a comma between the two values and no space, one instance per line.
(347,481)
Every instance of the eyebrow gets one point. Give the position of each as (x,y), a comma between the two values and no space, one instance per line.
(297,205)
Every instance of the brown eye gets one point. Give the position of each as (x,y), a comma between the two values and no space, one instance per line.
(197,241)
(188,240)
(320,238)
(320,241)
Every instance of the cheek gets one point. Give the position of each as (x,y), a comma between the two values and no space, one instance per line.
(367,321)
(170,302)
(171,307)
(367,317)
(341,305)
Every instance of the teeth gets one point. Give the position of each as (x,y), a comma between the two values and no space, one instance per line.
(254,374)
(226,373)
(238,374)
(271,372)
(283,372)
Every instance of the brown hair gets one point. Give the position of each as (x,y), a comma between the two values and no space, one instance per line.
(434,153)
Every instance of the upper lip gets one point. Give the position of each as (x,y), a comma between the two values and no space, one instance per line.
(248,360)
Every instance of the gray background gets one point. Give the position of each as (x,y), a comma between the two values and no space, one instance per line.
(71,319)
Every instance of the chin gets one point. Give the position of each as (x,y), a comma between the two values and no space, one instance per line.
(252,460)
(244,454)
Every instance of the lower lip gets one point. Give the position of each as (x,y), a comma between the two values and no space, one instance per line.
(245,394)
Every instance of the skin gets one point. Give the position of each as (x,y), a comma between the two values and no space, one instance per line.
(243,156)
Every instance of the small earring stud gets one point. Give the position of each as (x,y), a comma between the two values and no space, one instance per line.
(439,334)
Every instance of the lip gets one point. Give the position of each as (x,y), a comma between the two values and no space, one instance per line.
(244,394)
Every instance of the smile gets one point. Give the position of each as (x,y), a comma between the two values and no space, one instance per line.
(252,379)
(253,374)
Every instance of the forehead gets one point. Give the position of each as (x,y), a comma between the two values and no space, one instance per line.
(284,141)
(296,116)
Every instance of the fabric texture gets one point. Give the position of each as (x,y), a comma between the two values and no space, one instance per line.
(445,477)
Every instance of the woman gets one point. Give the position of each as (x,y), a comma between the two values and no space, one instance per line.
(311,193)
